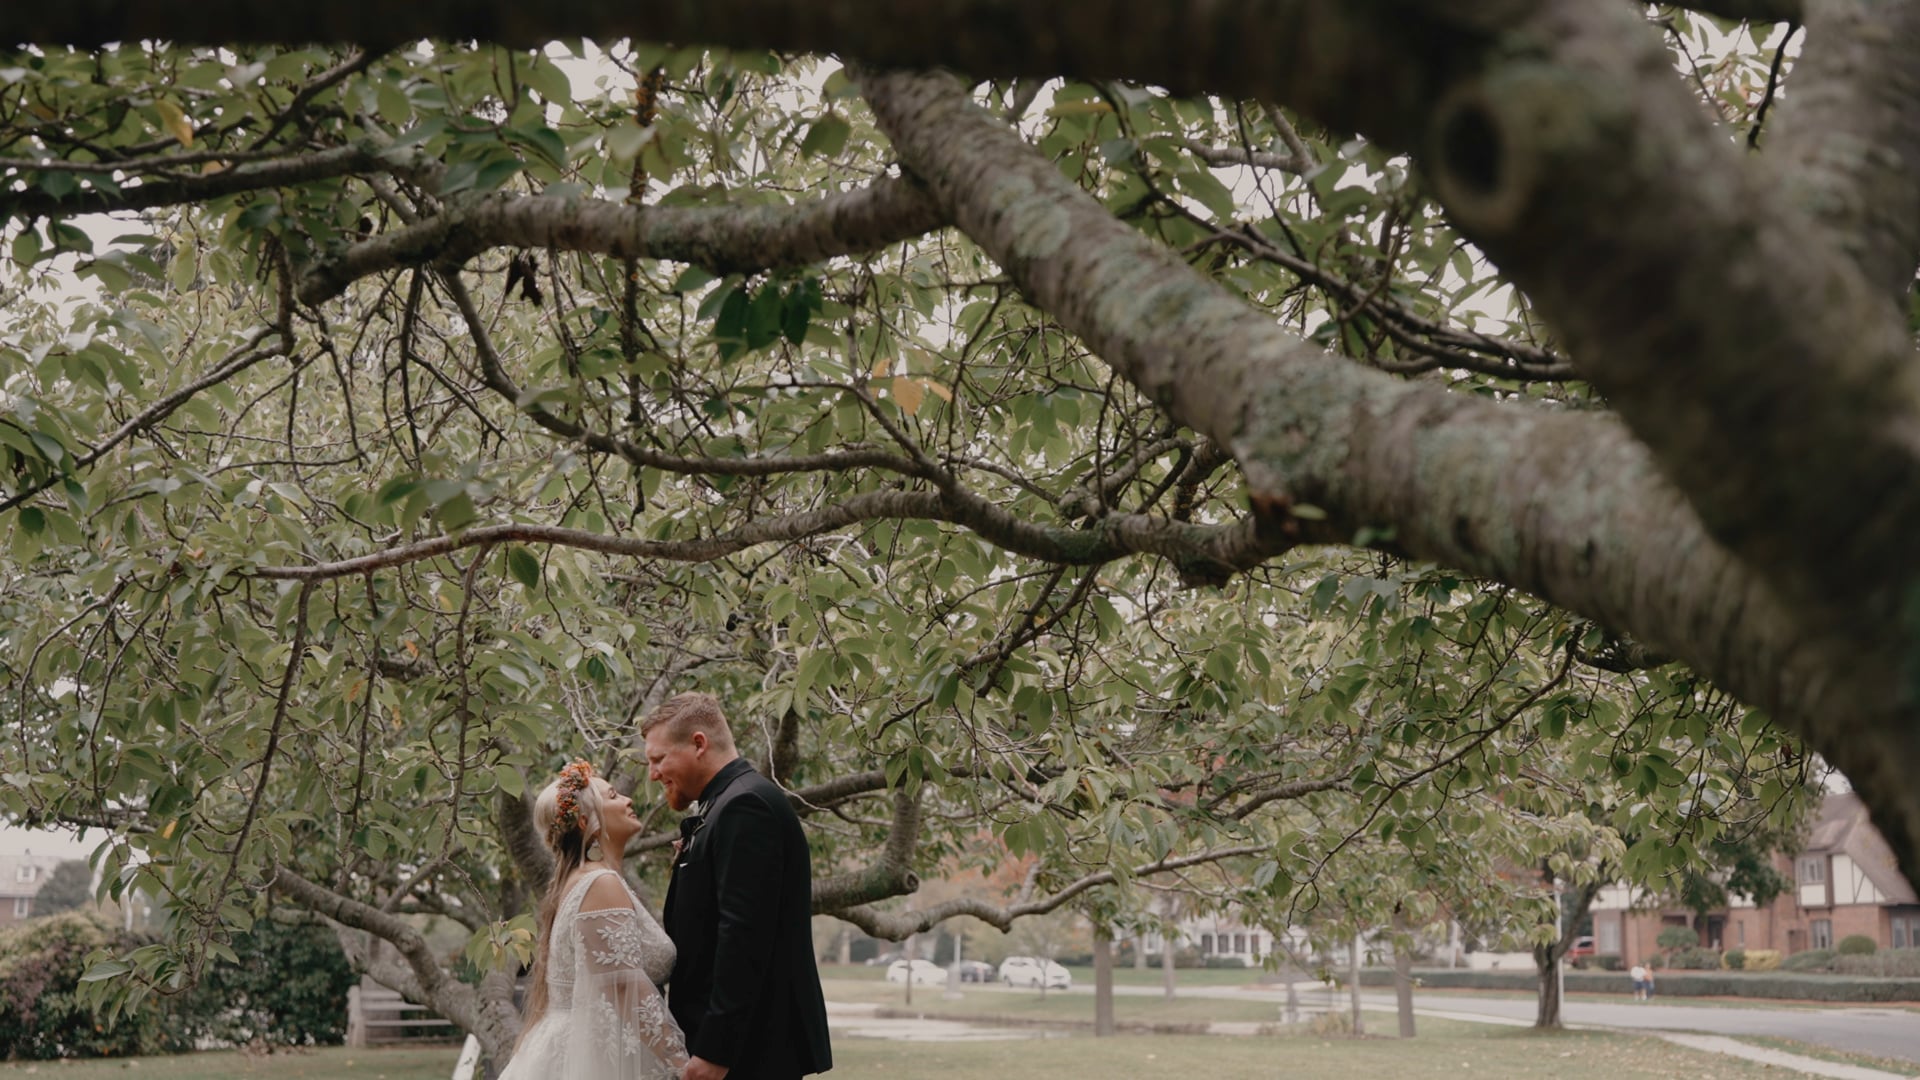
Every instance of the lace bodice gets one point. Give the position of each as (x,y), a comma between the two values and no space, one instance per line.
(615,938)
(605,1018)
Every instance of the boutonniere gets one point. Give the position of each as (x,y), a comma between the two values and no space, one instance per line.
(689,827)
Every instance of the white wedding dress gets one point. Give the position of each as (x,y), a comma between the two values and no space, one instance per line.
(606,1019)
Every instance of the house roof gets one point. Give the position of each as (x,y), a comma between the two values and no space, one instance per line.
(10,883)
(1842,828)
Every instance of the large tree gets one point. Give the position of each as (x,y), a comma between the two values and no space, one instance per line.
(442,410)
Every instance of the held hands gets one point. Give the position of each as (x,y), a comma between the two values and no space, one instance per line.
(702,1069)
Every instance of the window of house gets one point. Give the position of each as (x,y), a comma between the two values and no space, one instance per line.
(22,906)
(25,873)
(1254,940)
(1813,870)
(1239,943)
(1822,933)
(1609,937)
(1206,944)
(1906,931)
(1740,931)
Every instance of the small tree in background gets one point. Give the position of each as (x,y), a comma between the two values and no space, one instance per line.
(68,887)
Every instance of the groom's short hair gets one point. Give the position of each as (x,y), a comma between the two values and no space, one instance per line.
(684,714)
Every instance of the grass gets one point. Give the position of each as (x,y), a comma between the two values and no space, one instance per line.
(1827,1053)
(1483,1054)
(325,1063)
(1500,1055)
(985,1005)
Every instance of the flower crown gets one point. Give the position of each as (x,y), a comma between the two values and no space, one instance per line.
(566,808)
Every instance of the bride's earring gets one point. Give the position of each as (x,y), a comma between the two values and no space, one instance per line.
(593,849)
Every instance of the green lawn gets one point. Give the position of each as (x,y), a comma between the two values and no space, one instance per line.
(1486,1054)
(329,1063)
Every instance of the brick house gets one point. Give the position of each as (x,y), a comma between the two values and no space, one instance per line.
(1845,882)
(20,879)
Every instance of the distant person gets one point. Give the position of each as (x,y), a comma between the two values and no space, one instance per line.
(739,908)
(1642,982)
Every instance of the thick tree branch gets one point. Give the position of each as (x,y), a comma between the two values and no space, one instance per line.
(897,925)
(1848,134)
(727,239)
(891,873)
(1459,480)
(452,998)
(360,157)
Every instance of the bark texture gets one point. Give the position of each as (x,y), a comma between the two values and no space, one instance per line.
(1569,506)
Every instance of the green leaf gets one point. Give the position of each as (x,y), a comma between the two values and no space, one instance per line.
(827,137)
(523,566)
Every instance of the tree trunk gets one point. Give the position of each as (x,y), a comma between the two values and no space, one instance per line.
(1353,969)
(1166,960)
(1140,952)
(1403,972)
(1546,958)
(1102,981)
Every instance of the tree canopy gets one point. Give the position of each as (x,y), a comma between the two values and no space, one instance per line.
(1190,434)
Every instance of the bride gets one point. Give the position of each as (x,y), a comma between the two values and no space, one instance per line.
(593,1008)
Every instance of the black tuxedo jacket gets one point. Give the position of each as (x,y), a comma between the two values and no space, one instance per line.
(739,910)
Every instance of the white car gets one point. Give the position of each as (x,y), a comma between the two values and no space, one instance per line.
(925,973)
(1031,971)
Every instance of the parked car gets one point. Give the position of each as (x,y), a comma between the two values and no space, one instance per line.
(925,972)
(976,971)
(1032,971)
(1581,948)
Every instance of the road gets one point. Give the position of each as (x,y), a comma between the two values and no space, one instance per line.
(1887,1031)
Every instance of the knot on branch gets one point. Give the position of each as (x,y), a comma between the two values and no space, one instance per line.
(1493,140)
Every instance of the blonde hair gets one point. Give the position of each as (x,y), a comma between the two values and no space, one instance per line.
(568,840)
(684,714)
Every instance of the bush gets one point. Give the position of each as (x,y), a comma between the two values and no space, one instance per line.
(1763,959)
(1810,960)
(1735,959)
(1677,937)
(1891,963)
(1607,961)
(1695,960)
(1858,945)
(41,1015)
(289,989)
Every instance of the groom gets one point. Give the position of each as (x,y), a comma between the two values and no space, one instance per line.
(744,987)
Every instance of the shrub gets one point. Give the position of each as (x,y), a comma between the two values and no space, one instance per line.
(1735,959)
(1890,963)
(1810,960)
(1763,959)
(1607,961)
(1858,945)
(289,989)
(1677,937)
(41,1015)
(1695,960)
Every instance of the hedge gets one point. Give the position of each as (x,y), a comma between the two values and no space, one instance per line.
(1752,984)
(289,988)
(41,1016)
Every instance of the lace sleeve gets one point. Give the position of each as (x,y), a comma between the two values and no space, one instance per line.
(620,1021)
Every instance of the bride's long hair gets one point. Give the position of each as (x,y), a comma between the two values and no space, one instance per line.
(568,841)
